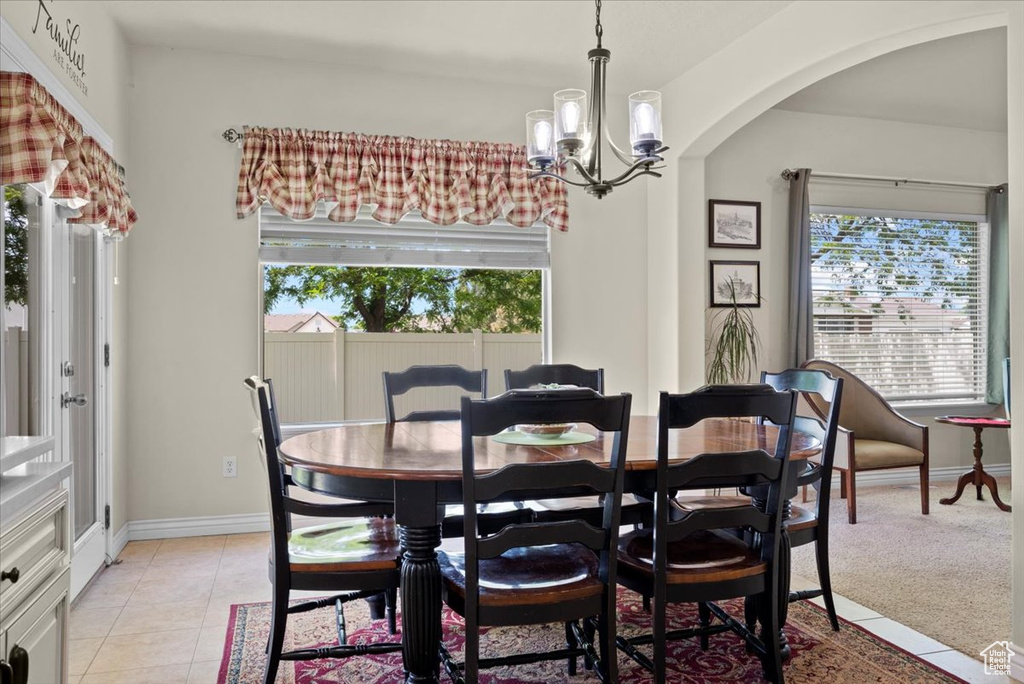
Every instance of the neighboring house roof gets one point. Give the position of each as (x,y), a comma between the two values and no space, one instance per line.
(302,322)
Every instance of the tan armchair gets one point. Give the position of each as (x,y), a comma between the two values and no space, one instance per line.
(872,436)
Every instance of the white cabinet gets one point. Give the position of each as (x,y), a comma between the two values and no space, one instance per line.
(34,593)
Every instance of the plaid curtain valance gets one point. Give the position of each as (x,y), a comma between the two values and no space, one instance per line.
(43,144)
(445,180)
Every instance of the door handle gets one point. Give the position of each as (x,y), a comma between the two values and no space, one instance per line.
(19,665)
(78,400)
(6,673)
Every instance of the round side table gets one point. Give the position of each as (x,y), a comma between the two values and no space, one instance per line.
(977,475)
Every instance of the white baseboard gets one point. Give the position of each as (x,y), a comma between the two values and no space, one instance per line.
(119,541)
(899,476)
(165,528)
(1017,661)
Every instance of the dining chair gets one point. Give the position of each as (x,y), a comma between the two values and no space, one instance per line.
(696,556)
(538,572)
(811,526)
(555,373)
(871,436)
(398,383)
(357,555)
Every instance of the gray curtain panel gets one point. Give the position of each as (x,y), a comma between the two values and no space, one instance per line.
(801,329)
(998,291)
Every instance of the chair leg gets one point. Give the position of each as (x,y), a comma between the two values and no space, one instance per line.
(750,617)
(705,621)
(609,665)
(924,489)
(570,642)
(660,645)
(842,483)
(390,601)
(825,578)
(472,655)
(851,496)
(588,632)
(803,495)
(275,643)
(772,663)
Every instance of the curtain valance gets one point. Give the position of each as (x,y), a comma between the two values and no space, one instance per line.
(445,180)
(43,144)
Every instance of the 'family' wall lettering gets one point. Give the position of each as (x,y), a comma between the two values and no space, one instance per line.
(66,51)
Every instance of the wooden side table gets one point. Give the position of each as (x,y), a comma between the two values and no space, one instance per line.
(977,475)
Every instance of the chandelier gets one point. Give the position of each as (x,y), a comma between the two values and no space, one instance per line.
(564,136)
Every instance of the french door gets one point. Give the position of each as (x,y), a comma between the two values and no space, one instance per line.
(81,322)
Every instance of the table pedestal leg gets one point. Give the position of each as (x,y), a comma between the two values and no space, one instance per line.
(977,477)
(421,603)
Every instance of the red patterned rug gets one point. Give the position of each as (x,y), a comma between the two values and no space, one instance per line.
(851,656)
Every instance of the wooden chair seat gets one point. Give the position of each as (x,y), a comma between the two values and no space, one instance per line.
(707,502)
(349,546)
(800,518)
(538,575)
(705,556)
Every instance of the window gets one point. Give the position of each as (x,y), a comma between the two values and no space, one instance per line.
(344,302)
(900,300)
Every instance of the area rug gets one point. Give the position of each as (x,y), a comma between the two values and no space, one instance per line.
(946,574)
(851,656)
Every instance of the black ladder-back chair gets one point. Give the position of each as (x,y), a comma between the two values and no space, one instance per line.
(363,560)
(551,373)
(806,526)
(398,383)
(670,562)
(634,511)
(559,571)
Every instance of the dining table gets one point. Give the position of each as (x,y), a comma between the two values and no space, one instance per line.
(418,467)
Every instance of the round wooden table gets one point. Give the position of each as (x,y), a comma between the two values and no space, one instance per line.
(977,475)
(418,466)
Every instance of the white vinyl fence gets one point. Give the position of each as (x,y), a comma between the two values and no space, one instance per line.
(326,377)
(16,382)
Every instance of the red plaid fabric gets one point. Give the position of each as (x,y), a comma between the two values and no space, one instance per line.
(445,180)
(43,144)
(109,207)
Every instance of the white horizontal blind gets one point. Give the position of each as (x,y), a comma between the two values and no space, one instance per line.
(901,301)
(413,241)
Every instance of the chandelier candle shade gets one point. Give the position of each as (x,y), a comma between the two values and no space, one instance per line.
(575,134)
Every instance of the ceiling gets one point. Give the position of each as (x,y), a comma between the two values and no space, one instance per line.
(532,42)
(958,81)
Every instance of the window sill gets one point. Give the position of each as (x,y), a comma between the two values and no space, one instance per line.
(943,408)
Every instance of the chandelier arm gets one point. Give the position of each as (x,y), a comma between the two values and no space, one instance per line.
(616,183)
(582,170)
(642,165)
(549,174)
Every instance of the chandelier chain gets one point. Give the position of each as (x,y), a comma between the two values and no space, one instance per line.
(598,29)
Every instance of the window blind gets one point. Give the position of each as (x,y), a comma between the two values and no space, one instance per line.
(901,301)
(413,241)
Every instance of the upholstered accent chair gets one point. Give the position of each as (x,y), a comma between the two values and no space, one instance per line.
(872,436)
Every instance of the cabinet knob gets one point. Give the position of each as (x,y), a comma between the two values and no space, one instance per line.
(13,574)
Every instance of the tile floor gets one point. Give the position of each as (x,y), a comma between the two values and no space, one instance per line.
(194,581)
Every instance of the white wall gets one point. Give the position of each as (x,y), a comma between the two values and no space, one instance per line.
(193,302)
(747,167)
(106,101)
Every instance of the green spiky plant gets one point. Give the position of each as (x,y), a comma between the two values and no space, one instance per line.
(734,343)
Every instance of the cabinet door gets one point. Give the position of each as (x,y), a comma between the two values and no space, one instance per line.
(42,631)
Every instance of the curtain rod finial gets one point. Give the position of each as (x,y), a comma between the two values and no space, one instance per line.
(231,135)
(790,174)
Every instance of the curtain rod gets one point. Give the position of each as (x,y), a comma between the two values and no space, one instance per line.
(231,135)
(789,174)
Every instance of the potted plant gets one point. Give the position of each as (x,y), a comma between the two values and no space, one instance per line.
(734,342)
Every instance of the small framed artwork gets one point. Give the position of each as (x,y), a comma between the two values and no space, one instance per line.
(741,279)
(734,224)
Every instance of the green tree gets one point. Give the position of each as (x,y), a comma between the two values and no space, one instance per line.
(15,246)
(388,299)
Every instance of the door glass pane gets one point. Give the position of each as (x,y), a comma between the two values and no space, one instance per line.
(82,359)
(23,315)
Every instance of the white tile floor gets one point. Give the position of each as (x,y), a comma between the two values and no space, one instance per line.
(194,581)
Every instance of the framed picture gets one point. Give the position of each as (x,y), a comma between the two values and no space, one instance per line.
(741,277)
(734,224)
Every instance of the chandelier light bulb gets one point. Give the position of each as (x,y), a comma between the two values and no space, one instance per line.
(570,124)
(540,138)
(571,119)
(645,121)
(543,134)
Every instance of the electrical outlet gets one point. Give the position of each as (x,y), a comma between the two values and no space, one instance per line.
(230,466)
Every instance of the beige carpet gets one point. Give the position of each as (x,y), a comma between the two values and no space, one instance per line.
(946,574)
